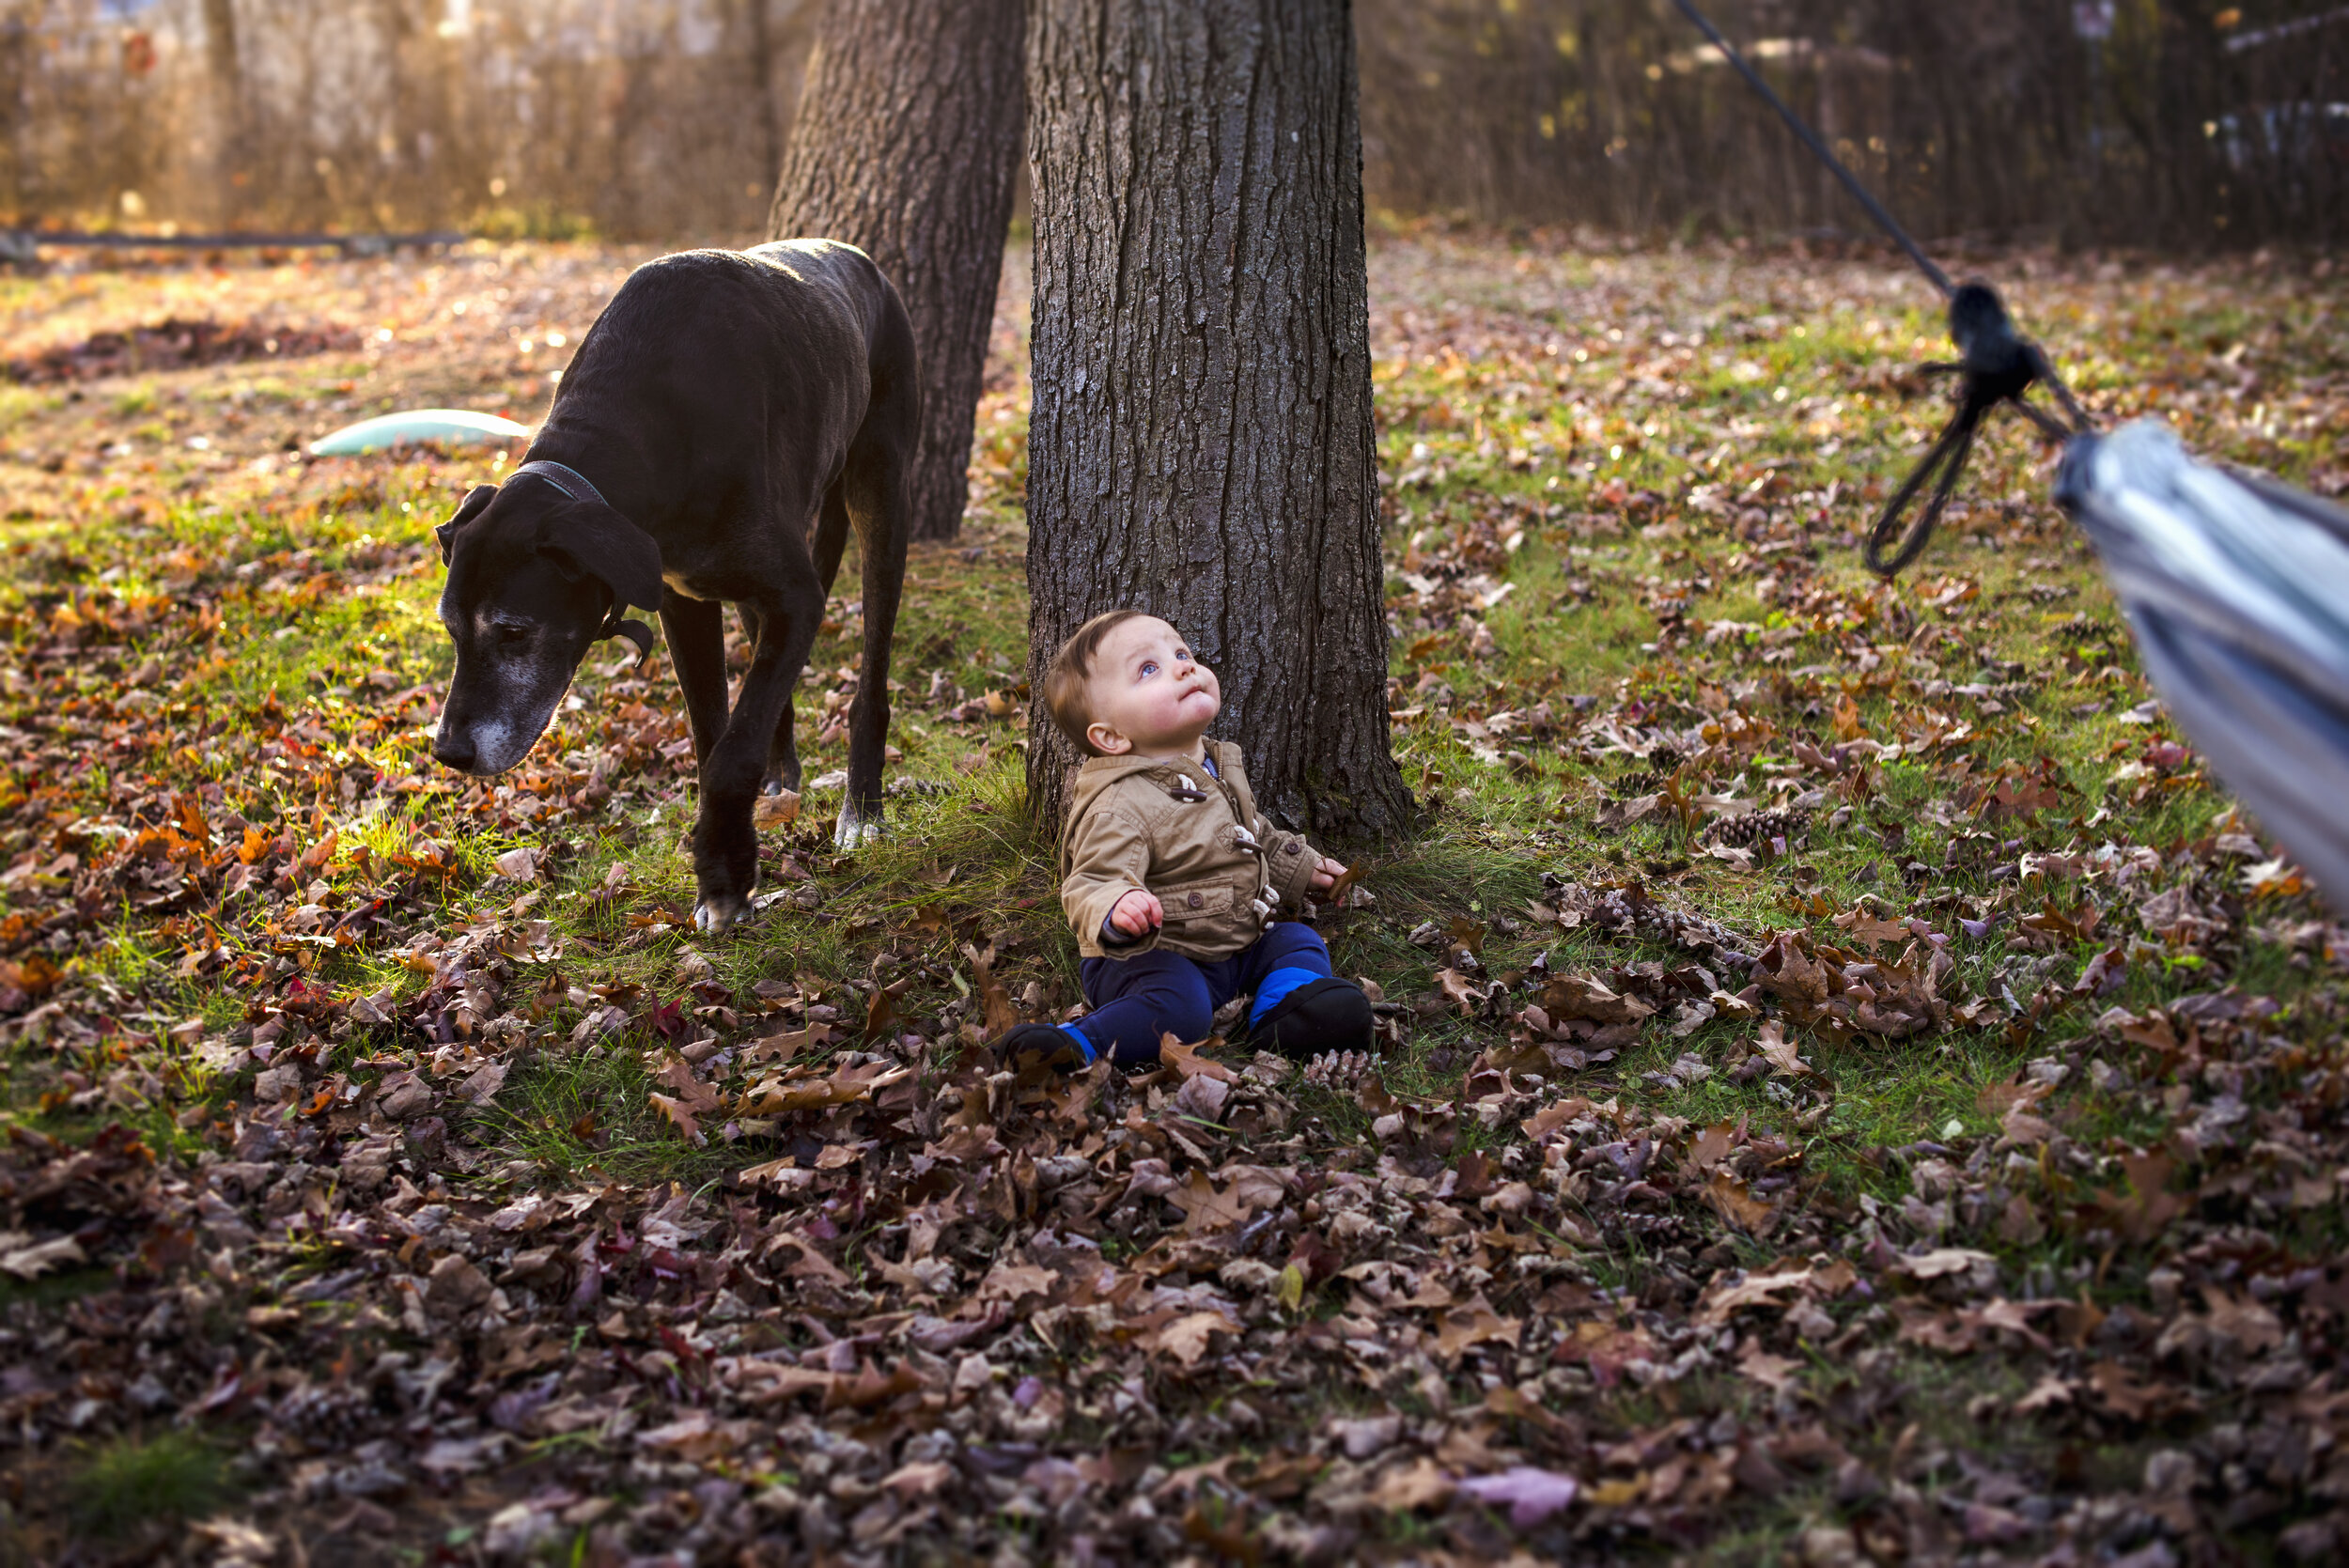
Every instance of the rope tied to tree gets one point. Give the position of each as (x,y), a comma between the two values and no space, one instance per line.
(2227,578)
(1996,365)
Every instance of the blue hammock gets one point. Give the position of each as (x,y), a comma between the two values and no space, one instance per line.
(2233,585)
(2237,589)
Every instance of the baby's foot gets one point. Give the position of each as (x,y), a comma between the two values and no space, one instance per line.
(1044,1045)
(1328,1015)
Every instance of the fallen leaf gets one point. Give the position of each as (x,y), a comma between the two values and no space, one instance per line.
(1205,1210)
(1754,1290)
(681,1116)
(1407,1488)
(1187,1337)
(1773,1371)
(1189,1062)
(1779,1051)
(1474,1324)
(1568,996)
(1736,1203)
(1529,1495)
(1013,1283)
(1941,1261)
(30,1263)
(2048,1392)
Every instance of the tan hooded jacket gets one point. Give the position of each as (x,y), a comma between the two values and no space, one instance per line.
(1194,840)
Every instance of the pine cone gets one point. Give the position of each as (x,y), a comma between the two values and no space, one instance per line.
(1740,833)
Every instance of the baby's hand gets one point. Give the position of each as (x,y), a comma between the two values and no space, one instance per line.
(1138,913)
(1326,874)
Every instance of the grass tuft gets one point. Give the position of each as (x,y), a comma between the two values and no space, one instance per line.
(133,1482)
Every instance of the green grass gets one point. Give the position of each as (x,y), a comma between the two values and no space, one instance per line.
(1638,487)
(131,1484)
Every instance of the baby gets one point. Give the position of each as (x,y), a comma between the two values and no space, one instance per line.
(1168,873)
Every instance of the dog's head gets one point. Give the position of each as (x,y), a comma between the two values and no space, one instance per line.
(533,574)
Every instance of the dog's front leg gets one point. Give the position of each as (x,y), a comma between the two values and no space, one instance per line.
(697,631)
(782,756)
(725,843)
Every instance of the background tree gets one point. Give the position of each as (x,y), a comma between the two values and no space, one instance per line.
(1200,442)
(906,143)
(229,111)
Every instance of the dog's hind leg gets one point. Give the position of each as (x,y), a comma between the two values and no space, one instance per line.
(876,498)
(696,629)
(832,531)
(725,843)
(831,535)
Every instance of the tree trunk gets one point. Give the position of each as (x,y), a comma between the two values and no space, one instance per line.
(761,62)
(1199,443)
(906,142)
(225,67)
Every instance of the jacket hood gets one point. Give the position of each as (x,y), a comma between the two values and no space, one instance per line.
(1099,774)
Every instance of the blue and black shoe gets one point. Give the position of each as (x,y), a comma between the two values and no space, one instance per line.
(1044,1045)
(1320,1016)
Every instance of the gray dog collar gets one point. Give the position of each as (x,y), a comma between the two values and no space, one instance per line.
(562,477)
(580,488)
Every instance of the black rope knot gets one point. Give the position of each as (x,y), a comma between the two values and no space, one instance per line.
(1996,366)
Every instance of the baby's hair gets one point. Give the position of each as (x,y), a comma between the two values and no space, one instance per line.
(1065,677)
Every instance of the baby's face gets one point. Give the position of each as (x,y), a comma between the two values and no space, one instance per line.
(1147,694)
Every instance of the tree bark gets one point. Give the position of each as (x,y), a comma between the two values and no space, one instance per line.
(759,63)
(225,64)
(906,142)
(1200,442)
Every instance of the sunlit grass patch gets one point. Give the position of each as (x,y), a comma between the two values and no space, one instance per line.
(131,1483)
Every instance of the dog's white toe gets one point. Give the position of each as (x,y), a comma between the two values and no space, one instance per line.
(713,920)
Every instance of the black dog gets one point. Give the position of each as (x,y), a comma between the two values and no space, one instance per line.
(727,419)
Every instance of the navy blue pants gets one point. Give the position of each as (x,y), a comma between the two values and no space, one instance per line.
(1136,999)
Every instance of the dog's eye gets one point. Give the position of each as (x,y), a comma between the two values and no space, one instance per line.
(513,636)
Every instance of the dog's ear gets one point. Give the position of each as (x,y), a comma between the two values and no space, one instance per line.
(467,509)
(590,540)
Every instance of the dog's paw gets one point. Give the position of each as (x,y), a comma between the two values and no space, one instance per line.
(855,828)
(714,916)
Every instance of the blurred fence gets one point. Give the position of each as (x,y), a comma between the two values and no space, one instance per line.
(519,117)
(2176,122)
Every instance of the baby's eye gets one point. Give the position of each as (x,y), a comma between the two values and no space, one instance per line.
(1149,668)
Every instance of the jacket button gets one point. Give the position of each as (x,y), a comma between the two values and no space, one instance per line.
(1289,849)
(1196,901)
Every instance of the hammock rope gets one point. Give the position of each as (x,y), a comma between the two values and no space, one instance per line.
(2232,583)
(1996,366)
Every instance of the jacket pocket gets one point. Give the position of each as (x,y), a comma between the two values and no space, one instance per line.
(1196,901)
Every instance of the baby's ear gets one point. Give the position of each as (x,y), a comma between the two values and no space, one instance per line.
(1107,741)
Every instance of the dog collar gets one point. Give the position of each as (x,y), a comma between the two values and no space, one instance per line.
(580,488)
(562,477)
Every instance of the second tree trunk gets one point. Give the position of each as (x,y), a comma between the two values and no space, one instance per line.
(906,143)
